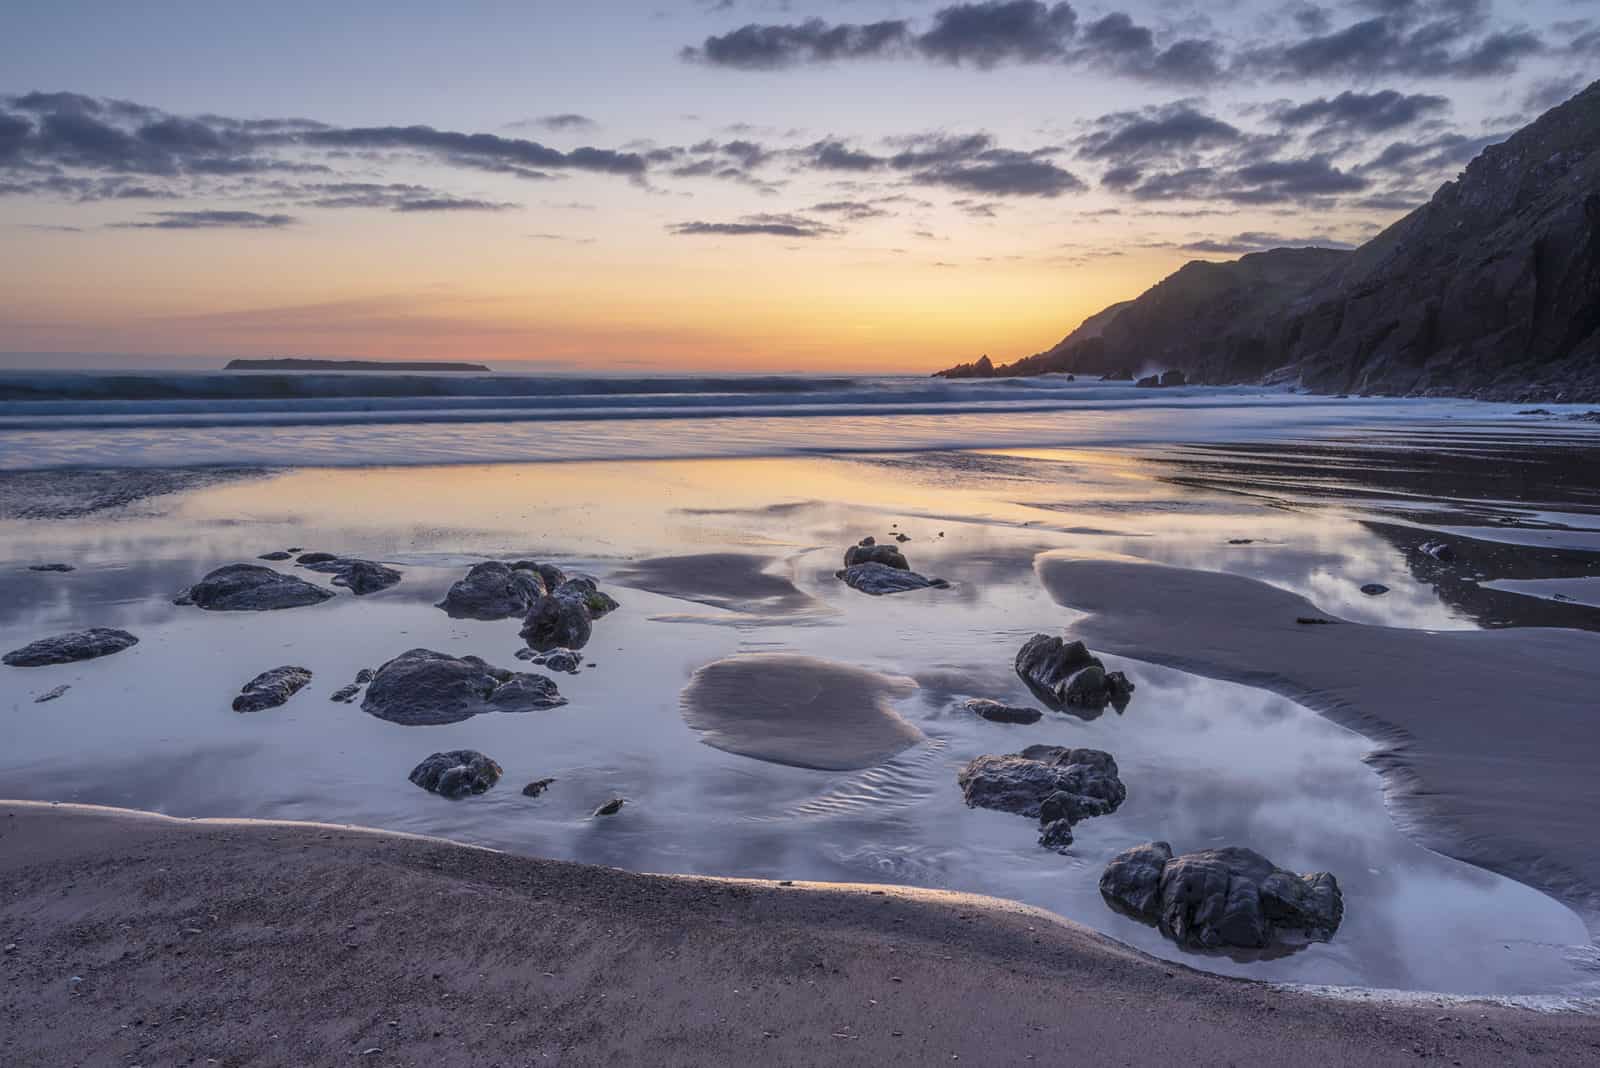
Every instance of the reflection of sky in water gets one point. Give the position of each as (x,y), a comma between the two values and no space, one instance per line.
(1206,763)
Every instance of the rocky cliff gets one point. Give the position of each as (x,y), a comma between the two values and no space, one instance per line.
(1491,289)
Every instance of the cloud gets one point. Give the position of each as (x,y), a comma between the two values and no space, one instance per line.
(513,154)
(1255,241)
(756,225)
(988,34)
(1363,112)
(1132,136)
(854,210)
(209,220)
(565,121)
(1409,38)
(426,204)
(1001,173)
(757,47)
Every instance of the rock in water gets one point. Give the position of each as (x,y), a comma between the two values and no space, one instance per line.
(52,693)
(869,552)
(307,559)
(277,555)
(879,579)
(66,648)
(1065,675)
(537,787)
(345,694)
(494,590)
(557,659)
(271,688)
(564,618)
(358,576)
(996,712)
(251,588)
(456,774)
(610,808)
(62,568)
(1374,589)
(1439,550)
(1222,897)
(1059,787)
(421,687)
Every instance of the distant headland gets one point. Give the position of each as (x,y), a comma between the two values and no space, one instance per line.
(290,363)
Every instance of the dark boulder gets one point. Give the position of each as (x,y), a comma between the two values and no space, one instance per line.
(67,648)
(1059,787)
(421,687)
(1065,675)
(555,660)
(358,576)
(1374,589)
(879,579)
(456,774)
(307,559)
(996,712)
(271,688)
(60,568)
(537,787)
(1216,898)
(868,552)
(494,590)
(1149,381)
(251,588)
(1174,377)
(610,808)
(346,694)
(564,617)
(277,555)
(552,575)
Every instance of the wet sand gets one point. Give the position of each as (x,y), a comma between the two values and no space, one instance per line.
(738,582)
(1490,738)
(146,940)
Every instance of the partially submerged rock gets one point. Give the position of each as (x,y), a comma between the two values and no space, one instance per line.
(996,712)
(879,579)
(869,552)
(555,660)
(308,559)
(456,774)
(251,588)
(1216,898)
(271,688)
(347,694)
(564,617)
(1439,550)
(495,590)
(358,576)
(1058,786)
(278,555)
(537,787)
(1065,675)
(1374,589)
(421,687)
(611,808)
(62,568)
(70,647)
(52,693)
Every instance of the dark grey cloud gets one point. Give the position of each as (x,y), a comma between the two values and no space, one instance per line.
(970,163)
(1256,241)
(210,220)
(446,203)
(1119,44)
(853,210)
(756,226)
(1276,181)
(1408,38)
(988,34)
(489,150)
(567,120)
(1364,112)
(1130,136)
(757,47)
(834,155)
(1002,173)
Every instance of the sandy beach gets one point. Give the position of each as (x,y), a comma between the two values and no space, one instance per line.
(134,939)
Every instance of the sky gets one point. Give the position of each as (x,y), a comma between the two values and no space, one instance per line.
(751,185)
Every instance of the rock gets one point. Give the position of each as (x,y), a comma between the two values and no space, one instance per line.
(555,660)
(358,576)
(251,588)
(1228,897)
(902,538)
(364,676)
(308,559)
(62,568)
(870,553)
(271,688)
(996,712)
(537,787)
(345,694)
(1374,589)
(564,617)
(610,808)
(421,687)
(456,774)
(1174,377)
(1149,381)
(278,555)
(52,693)
(493,590)
(1066,675)
(1050,783)
(552,575)
(1314,621)
(67,648)
(879,579)
(1439,550)
(1241,541)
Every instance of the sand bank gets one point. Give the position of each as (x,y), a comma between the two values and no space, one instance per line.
(146,940)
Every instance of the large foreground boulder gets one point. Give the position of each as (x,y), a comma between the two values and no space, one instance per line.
(251,588)
(421,687)
(495,590)
(358,576)
(1065,675)
(879,579)
(1217,898)
(66,648)
(869,552)
(456,774)
(564,617)
(271,688)
(1056,785)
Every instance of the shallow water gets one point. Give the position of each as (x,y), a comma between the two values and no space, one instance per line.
(1206,763)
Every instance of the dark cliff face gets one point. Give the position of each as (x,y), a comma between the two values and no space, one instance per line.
(1491,289)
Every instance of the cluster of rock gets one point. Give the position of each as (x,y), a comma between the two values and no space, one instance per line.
(1229,897)
(882,569)
(558,612)
(271,688)
(1065,675)
(557,659)
(1058,786)
(67,648)
(358,576)
(421,687)
(347,694)
(251,588)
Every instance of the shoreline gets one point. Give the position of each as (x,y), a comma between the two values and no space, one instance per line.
(268,943)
